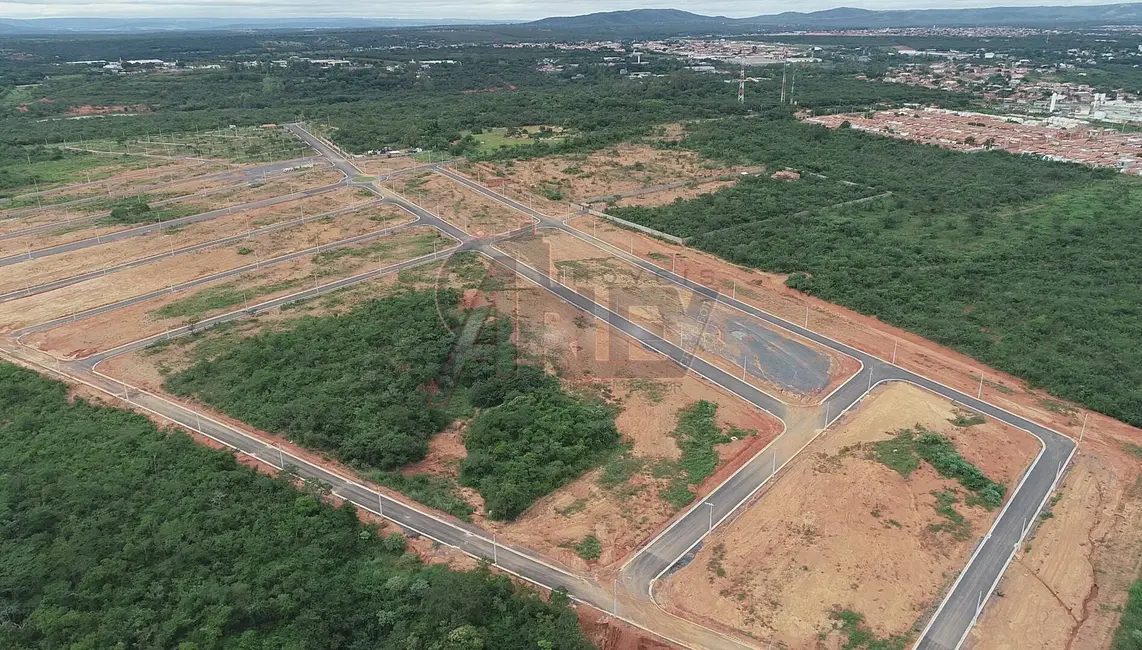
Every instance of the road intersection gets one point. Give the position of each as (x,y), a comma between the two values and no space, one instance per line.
(634,601)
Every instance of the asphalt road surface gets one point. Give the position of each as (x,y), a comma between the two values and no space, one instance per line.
(947,628)
(960,608)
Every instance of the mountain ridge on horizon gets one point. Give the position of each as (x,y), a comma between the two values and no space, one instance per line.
(843,17)
(846,17)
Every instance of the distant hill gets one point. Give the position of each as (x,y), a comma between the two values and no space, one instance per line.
(659,20)
(852,17)
(11,26)
(630,18)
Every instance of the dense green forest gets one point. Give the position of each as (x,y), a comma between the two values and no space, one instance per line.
(116,534)
(374,385)
(386,100)
(533,444)
(351,384)
(1021,263)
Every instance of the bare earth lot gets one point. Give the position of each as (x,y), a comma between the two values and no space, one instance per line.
(1065,587)
(606,175)
(479,215)
(112,329)
(117,177)
(841,530)
(62,212)
(171,271)
(195,205)
(65,265)
(385,165)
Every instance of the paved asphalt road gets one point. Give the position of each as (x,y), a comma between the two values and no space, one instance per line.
(149,228)
(958,613)
(947,628)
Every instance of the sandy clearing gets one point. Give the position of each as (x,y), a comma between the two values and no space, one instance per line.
(557,180)
(64,265)
(838,529)
(112,329)
(40,308)
(385,165)
(193,205)
(460,206)
(147,171)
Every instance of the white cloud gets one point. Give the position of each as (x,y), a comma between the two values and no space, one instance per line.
(493,9)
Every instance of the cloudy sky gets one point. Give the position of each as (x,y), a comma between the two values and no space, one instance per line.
(490,9)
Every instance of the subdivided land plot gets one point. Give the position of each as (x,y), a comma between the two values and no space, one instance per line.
(115,328)
(859,532)
(171,271)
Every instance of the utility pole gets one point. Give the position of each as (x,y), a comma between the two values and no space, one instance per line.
(792,83)
(741,83)
(784,72)
(707,503)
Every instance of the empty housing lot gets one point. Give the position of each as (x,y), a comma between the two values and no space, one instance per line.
(1065,139)
(603,318)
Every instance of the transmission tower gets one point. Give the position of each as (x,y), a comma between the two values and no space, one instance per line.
(792,83)
(784,74)
(741,84)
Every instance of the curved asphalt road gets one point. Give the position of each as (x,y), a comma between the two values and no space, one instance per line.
(958,613)
(947,628)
